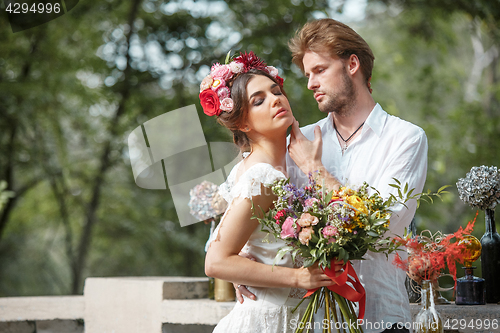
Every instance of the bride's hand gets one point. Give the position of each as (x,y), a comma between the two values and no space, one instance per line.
(314,277)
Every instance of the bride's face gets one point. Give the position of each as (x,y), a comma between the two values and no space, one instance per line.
(269,112)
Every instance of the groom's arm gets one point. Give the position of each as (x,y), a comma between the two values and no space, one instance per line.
(307,155)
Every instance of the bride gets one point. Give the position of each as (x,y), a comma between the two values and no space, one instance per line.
(247,97)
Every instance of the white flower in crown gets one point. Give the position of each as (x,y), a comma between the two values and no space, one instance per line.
(206,83)
(273,71)
(226,104)
(236,67)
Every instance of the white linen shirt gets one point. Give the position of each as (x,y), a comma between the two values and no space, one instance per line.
(387,147)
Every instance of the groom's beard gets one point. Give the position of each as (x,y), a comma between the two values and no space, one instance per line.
(343,100)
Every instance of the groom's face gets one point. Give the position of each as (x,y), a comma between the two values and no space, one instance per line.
(329,80)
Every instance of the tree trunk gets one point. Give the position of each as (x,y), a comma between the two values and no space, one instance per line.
(8,173)
(105,163)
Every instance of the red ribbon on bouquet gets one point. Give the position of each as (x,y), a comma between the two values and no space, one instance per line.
(354,293)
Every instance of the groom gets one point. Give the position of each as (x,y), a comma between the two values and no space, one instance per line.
(357,142)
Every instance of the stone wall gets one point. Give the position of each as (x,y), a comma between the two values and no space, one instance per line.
(163,305)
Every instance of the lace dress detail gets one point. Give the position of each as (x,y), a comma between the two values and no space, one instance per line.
(271,312)
(297,293)
(249,183)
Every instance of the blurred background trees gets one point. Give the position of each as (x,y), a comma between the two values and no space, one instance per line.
(74,88)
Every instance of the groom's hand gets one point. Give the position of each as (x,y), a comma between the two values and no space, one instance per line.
(305,153)
(241,290)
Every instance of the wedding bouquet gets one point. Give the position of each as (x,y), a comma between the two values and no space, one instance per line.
(324,226)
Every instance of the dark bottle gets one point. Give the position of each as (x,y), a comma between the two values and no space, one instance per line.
(490,258)
(470,289)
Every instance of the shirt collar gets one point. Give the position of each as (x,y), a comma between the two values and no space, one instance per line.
(376,120)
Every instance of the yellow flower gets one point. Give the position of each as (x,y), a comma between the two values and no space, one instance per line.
(345,191)
(216,83)
(348,228)
(357,203)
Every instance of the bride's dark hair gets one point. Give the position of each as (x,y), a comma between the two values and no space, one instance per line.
(233,120)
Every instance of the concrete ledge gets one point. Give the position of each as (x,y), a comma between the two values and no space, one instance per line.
(41,308)
(200,311)
(167,305)
(466,318)
(193,328)
(177,287)
(134,304)
(43,326)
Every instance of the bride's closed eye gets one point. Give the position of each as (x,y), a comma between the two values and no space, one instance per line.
(258,101)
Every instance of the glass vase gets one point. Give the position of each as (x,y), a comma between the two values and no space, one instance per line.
(438,298)
(428,319)
(490,258)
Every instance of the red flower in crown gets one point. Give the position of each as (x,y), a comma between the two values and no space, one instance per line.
(279,79)
(250,60)
(210,102)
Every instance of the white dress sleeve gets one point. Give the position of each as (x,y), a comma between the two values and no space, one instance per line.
(248,185)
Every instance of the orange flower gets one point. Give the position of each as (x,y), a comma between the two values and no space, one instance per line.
(305,235)
(428,256)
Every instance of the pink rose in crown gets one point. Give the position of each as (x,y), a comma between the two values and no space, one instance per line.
(221,72)
(305,235)
(287,229)
(214,67)
(307,220)
(226,104)
(210,102)
(273,71)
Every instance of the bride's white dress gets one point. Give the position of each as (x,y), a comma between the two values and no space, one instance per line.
(271,312)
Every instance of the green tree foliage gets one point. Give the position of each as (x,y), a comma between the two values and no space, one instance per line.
(440,71)
(72,91)
(74,88)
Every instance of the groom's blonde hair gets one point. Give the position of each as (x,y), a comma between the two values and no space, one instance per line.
(334,37)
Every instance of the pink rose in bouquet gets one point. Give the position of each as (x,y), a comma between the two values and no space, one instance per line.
(288,230)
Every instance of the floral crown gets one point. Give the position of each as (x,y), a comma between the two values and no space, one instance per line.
(215,95)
